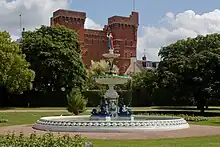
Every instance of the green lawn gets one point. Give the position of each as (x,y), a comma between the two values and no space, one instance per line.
(212,121)
(35,108)
(20,118)
(208,141)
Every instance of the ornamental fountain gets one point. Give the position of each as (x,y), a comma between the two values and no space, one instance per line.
(110,116)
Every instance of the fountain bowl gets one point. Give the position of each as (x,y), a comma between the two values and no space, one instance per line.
(112,79)
(83,123)
(111,55)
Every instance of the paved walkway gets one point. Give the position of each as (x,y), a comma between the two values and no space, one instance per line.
(194,130)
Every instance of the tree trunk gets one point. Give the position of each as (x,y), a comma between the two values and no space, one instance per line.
(207,106)
(200,102)
(202,105)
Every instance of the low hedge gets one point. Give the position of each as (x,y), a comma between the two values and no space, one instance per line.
(46,140)
(173,112)
(186,117)
(3,120)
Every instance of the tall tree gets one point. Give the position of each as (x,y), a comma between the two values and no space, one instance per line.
(54,54)
(15,75)
(145,83)
(190,67)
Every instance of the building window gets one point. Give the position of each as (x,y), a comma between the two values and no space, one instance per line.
(126,55)
(67,19)
(131,54)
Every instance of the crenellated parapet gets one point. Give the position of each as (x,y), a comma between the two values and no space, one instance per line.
(128,21)
(65,17)
(69,13)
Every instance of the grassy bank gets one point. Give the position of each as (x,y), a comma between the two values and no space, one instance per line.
(208,141)
(20,118)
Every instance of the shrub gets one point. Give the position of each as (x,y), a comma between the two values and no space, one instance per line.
(76,103)
(46,140)
(193,118)
(3,120)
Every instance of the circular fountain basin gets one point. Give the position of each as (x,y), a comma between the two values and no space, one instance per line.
(112,80)
(84,124)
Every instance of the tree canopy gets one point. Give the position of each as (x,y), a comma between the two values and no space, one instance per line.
(15,75)
(54,54)
(190,67)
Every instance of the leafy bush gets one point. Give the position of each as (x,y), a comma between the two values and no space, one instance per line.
(186,117)
(3,120)
(46,140)
(76,103)
(193,118)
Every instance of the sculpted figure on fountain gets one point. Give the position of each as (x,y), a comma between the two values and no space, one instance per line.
(124,111)
(110,41)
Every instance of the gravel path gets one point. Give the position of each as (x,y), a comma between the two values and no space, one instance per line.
(194,130)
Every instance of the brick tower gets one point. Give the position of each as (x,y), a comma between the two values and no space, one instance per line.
(124,30)
(94,42)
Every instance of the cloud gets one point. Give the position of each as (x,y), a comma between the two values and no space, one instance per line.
(90,24)
(179,26)
(34,13)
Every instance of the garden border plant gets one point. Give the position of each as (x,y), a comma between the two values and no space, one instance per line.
(185,116)
(46,140)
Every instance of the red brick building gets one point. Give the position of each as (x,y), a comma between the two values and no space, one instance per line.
(94,42)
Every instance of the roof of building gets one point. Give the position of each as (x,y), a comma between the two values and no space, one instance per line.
(139,64)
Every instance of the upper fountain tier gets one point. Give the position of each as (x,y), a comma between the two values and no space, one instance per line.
(111,78)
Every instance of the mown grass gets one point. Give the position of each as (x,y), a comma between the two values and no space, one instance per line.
(20,118)
(207,141)
(212,121)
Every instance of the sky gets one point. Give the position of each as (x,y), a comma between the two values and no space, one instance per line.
(161,22)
